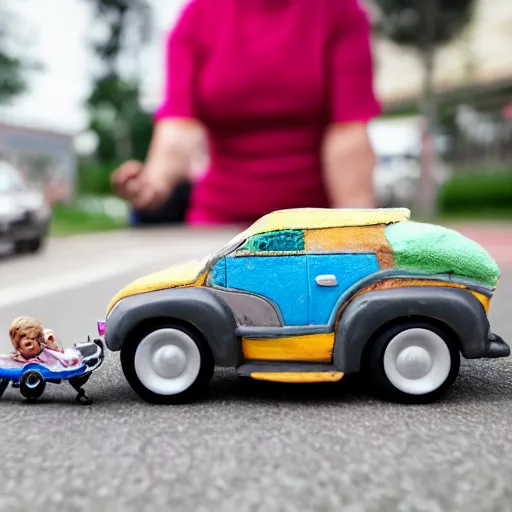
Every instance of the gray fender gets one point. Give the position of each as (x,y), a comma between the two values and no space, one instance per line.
(196,306)
(455,308)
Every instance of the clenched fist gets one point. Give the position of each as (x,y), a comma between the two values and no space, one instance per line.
(144,188)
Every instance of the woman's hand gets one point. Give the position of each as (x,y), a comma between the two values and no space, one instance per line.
(148,186)
(144,189)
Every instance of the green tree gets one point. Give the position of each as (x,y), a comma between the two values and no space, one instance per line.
(113,104)
(12,69)
(123,19)
(12,82)
(425,25)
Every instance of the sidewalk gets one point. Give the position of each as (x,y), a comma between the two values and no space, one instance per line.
(495,237)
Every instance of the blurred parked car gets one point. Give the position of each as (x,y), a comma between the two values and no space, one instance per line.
(24,213)
(397,146)
(396,180)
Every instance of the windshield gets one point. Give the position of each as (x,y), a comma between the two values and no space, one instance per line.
(233,244)
(10,179)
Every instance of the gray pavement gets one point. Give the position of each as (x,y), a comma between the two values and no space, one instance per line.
(258,448)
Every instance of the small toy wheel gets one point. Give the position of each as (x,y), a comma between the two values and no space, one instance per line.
(167,365)
(3,386)
(32,385)
(79,382)
(413,362)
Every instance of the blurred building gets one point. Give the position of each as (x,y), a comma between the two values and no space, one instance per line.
(481,56)
(473,83)
(46,159)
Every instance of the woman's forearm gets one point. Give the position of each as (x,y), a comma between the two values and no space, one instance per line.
(348,166)
(171,152)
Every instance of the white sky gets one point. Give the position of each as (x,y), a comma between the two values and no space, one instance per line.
(59,32)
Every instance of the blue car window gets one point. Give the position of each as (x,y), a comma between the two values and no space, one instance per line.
(291,240)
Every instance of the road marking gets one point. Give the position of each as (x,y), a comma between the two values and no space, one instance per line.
(114,266)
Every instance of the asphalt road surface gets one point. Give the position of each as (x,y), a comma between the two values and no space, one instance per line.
(258,448)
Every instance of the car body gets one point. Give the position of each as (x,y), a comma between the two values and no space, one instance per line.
(311,295)
(25,214)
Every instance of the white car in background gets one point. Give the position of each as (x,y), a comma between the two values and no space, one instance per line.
(25,214)
(397,146)
(396,180)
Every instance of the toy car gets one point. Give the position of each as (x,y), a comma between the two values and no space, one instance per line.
(311,295)
(31,378)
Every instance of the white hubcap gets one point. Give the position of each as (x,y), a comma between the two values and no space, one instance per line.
(167,361)
(417,361)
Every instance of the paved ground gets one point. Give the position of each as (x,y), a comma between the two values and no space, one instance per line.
(263,448)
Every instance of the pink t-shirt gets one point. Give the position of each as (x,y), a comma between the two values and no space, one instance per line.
(265,77)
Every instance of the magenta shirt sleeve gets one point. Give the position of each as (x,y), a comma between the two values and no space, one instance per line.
(351,67)
(180,68)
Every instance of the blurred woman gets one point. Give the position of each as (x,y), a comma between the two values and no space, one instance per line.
(282,90)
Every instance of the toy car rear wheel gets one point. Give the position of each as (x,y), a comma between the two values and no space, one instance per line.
(32,385)
(413,362)
(167,364)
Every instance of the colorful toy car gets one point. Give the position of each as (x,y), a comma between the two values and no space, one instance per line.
(311,295)
(32,377)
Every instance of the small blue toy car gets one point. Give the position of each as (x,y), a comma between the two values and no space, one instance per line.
(32,377)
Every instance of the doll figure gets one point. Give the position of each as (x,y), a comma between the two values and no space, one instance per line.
(39,357)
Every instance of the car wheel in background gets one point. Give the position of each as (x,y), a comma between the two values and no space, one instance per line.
(36,244)
(33,245)
(167,364)
(412,362)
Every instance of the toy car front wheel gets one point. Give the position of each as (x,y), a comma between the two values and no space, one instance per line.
(32,385)
(413,362)
(167,364)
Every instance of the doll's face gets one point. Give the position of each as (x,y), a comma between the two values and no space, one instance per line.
(29,347)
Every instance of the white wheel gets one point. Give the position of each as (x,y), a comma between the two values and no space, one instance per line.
(167,361)
(417,361)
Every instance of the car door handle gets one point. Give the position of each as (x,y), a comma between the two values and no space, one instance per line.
(326,280)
